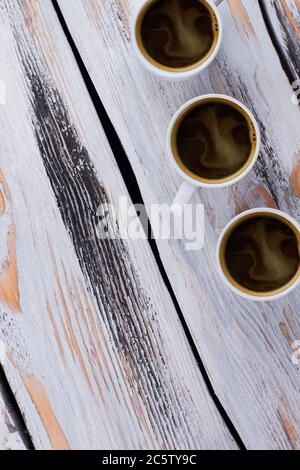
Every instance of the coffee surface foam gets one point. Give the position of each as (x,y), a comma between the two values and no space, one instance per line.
(213,140)
(177,33)
(262,254)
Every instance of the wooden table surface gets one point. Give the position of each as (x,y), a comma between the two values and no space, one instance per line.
(131,344)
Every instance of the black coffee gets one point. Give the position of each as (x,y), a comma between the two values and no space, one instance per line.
(178,33)
(214,140)
(262,254)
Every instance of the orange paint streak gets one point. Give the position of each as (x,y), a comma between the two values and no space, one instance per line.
(4,184)
(290,16)
(30,14)
(86,308)
(135,395)
(285,334)
(240,205)
(265,194)
(38,395)
(289,429)
(2,203)
(64,329)
(99,337)
(241,18)
(91,342)
(70,329)
(10,358)
(9,287)
(295,179)
(297,3)
(258,196)
(87,351)
(55,330)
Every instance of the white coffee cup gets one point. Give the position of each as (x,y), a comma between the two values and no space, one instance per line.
(168,72)
(221,264)
(192,182)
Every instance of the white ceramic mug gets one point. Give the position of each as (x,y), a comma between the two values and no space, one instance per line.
(221,264)
(192,182)
(167,72)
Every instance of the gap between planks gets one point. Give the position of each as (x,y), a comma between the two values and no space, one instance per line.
(18,437)
(136,197)
(253,332)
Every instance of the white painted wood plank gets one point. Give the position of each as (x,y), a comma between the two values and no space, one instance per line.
(246,347)
(284,20)
(96,355)
(10,438)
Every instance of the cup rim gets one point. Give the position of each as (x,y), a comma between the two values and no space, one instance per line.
(185,73)
(171,156)
(245,295)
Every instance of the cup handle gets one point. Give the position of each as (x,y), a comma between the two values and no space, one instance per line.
(184,195)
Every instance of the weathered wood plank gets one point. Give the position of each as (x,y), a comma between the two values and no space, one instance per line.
(246,347)
(284,19)
(96,355)
(10,438)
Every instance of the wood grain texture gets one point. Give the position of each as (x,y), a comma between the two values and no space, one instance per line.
(284,22)
(246,347)
(284,19)
(10,438)
(97,358)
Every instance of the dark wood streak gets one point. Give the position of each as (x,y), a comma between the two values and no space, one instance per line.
(268,168)
(106,265)
(14,411)
(288,45)
(284,30)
